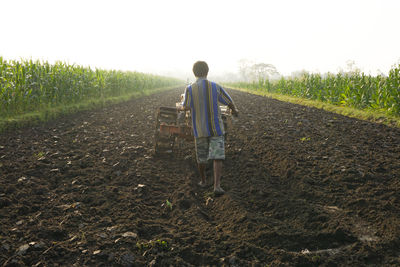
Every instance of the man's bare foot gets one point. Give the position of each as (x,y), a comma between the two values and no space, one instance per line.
(218,191)
(202,184)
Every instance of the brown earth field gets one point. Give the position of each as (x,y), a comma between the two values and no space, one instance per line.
(304,187)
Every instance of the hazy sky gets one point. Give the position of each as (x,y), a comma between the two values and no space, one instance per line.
(167,36)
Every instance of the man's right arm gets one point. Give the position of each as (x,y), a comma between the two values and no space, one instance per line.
(185,105)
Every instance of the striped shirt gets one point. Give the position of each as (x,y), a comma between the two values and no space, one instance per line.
(202,98)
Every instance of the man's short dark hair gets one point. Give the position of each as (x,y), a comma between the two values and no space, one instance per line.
(200,69)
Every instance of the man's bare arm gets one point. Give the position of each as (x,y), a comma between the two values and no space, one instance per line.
(182,108)
(235,111)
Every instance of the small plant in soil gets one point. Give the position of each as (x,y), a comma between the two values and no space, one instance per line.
(39,155)
(158,244)
(168,204)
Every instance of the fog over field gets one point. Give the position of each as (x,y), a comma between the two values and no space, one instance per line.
(166,37)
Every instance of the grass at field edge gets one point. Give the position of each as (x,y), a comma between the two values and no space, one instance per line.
(374,116)
(35,118)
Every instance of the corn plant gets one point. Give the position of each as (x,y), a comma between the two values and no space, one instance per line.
(29,85)
(347,89)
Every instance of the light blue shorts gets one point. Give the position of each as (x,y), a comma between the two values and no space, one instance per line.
(212,147)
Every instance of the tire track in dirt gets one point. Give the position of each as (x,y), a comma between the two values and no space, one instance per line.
(304,187)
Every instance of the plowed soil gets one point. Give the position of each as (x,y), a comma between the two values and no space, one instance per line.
(304,187)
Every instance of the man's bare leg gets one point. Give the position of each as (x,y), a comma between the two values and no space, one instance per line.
(202,171)
(217,176)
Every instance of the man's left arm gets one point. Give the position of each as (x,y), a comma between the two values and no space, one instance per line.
(225,99)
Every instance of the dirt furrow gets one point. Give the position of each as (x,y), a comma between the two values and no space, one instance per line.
(304,188)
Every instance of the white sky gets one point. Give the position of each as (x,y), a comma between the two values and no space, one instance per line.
(168,36)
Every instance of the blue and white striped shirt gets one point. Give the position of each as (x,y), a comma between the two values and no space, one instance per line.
(202,97)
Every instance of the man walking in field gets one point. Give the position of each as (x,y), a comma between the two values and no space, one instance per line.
(202,98)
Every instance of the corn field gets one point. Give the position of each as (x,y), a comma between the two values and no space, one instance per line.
(29,85)
(352,89)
